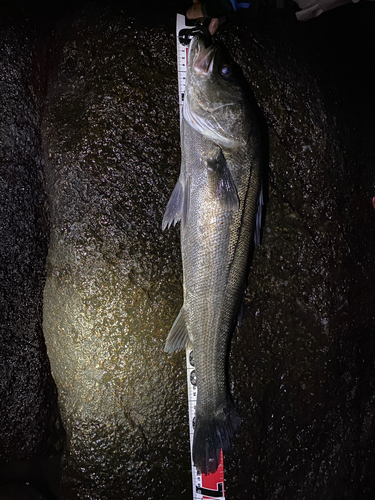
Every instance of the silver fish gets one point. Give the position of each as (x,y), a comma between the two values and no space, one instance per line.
(216,199)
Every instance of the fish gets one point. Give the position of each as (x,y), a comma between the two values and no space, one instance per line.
(217,199)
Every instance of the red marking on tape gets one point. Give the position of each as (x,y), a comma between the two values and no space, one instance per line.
(213,481)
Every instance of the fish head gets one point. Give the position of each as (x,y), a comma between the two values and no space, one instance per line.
(214,102)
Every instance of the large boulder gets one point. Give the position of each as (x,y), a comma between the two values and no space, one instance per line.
(28,412)
(110,136)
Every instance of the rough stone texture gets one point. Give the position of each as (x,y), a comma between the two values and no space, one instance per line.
(301,366)
(111,134)
(302,376)
(28,412)
(25,492)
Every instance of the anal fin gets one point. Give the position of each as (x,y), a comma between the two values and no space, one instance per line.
(178,337)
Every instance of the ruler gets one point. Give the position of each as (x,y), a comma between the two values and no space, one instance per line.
(182,55)
(211,485)
(204,486)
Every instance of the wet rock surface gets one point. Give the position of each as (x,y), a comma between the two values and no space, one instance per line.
(307,401)
(301,366)
(28,413)
(114,279)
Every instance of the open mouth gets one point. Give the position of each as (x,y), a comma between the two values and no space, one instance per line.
(204,59)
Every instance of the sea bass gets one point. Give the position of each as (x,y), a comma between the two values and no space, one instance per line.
(216,200)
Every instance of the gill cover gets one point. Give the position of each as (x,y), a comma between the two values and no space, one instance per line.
(212,101)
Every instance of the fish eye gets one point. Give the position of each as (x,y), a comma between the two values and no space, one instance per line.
(225,70)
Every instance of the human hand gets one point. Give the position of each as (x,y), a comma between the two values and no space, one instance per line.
(195,12)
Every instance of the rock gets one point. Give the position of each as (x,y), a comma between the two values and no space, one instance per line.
(301,378)
(29,418)
(19,492)
(111,143)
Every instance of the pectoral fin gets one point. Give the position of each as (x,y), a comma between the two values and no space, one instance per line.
(178,337)
(221,183)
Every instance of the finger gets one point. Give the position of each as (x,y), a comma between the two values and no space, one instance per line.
(213,26)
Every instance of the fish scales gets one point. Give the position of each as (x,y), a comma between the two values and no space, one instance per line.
(216,199)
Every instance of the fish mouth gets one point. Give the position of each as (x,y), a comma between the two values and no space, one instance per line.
(202,57)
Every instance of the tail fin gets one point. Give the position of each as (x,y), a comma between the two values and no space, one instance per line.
(212,435)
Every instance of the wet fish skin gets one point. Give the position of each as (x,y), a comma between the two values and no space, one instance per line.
(216,200)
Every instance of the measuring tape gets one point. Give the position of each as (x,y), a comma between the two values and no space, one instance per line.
(204,486)
(211,485)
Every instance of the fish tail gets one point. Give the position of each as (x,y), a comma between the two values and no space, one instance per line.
(213,434)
